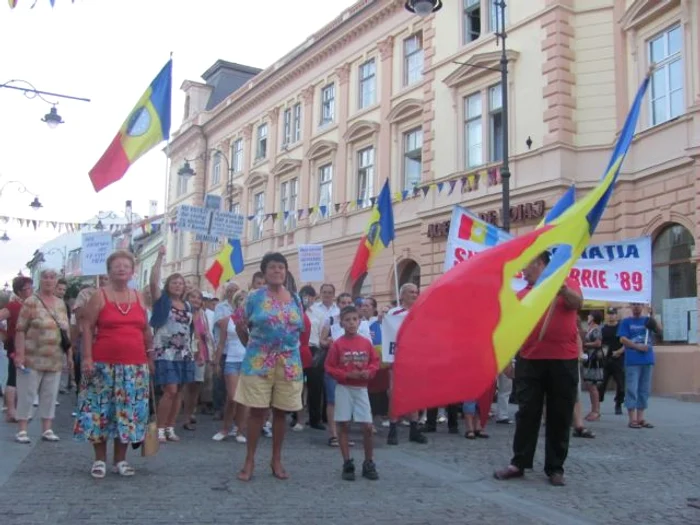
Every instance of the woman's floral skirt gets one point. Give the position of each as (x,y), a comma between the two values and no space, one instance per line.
(113,404)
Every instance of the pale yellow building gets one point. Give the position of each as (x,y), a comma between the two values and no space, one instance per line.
(381,93)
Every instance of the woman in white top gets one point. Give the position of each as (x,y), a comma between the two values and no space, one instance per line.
(235,352)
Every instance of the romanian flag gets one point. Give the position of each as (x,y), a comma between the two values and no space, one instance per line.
(477,231)
(228,263)
(469,323)
(379,233)
(147,125)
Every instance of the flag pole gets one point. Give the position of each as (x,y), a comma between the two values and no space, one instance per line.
(396,274)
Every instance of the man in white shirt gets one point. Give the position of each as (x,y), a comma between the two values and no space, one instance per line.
(222,311)
(318,314)
(407,296)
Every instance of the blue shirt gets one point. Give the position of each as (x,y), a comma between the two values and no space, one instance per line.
(634,329)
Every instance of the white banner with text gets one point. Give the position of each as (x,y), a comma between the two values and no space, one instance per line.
(618,271)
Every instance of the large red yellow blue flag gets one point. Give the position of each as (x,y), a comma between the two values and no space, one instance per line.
(147,125)
(228,263)
(467,326)
(379,234)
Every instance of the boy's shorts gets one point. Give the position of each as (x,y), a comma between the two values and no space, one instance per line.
(352,404)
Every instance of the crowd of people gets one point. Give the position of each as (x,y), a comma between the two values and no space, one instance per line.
(271,357)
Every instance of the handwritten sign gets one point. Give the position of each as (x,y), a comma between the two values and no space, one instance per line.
(311,267)
(95,248)
(618,271)
(209,223)
(391,323)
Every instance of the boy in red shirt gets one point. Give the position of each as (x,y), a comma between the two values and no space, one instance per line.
(352,362)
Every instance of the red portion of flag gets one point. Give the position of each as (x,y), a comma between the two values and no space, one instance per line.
(213,274)
(360,264)
(466,224)
(458,314)
(111,167)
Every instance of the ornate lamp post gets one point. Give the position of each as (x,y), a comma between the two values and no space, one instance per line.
(35,204)
(187,172)
(423,7)
(52,118)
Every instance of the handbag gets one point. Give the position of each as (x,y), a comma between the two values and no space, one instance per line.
(151,445)
(592,374)
(65,339)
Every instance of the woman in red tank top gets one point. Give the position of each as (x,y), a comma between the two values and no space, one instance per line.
(114,393)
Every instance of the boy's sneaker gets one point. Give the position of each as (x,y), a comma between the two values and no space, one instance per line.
(349,470)
(369,470)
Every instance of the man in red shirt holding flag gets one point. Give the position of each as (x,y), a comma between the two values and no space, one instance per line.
(547,369)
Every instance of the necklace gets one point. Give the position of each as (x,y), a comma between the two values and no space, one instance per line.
(124,310)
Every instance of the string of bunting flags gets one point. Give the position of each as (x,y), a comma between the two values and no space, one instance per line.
(468,183)
(13,3)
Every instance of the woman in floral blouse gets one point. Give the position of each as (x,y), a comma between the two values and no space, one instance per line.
(173,357)
(272,374)
(39,356)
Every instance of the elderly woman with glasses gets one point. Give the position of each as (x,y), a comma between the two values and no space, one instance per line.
(39,355)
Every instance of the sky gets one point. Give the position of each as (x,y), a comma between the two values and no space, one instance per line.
(109,51)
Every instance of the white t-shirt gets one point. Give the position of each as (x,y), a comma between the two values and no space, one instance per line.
(318,315)
(235,351)
(337,331)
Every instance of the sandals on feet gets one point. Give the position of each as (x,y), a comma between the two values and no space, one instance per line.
(170,434)
(583,432)
(470,435)
(333,442)
(593,416)
(123,469)
(645,424)
(98,470)
(634,424)
(481,434)
(22,437)
(50,436)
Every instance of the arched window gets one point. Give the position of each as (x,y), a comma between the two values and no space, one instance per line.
(410,274)
(675,282)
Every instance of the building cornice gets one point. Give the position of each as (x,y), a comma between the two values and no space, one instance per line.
(333,37)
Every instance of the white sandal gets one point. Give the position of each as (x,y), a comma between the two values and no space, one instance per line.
(170,434)
(50,436)
(22,437)
(98,470)
(123,469)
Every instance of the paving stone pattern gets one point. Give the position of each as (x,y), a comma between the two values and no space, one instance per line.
(623,476)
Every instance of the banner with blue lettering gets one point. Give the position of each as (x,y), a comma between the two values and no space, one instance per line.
(617,271)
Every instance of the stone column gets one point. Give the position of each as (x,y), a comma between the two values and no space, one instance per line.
(270,187)
(305,178)
(246,205)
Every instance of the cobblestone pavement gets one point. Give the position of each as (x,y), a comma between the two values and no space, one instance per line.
(623,476)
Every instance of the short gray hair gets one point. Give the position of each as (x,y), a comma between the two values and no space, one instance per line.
(405,287)
(46,271)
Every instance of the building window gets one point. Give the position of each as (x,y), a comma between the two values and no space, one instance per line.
(495,16)
(297,123)
(495,123)
(261,150)
(473,131)
(216,170)
(368,84)
(472,20)
(413,59)
(237,156)
(179,245)
(259,215)
(667,80)
(325,187)
(412,158)
(365,177)
(287,128)
(674,283)
(182,183)
(328,104)
(289,191)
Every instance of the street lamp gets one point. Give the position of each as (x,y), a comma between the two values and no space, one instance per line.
(423,8)
(52,118)
(503,70)
(63,251)
(187,172)
(5,237)
(35,204)
(104,215)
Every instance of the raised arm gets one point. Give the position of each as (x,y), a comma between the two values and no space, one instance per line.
(154,281)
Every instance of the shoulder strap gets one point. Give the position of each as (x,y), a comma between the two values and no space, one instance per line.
(55,320)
